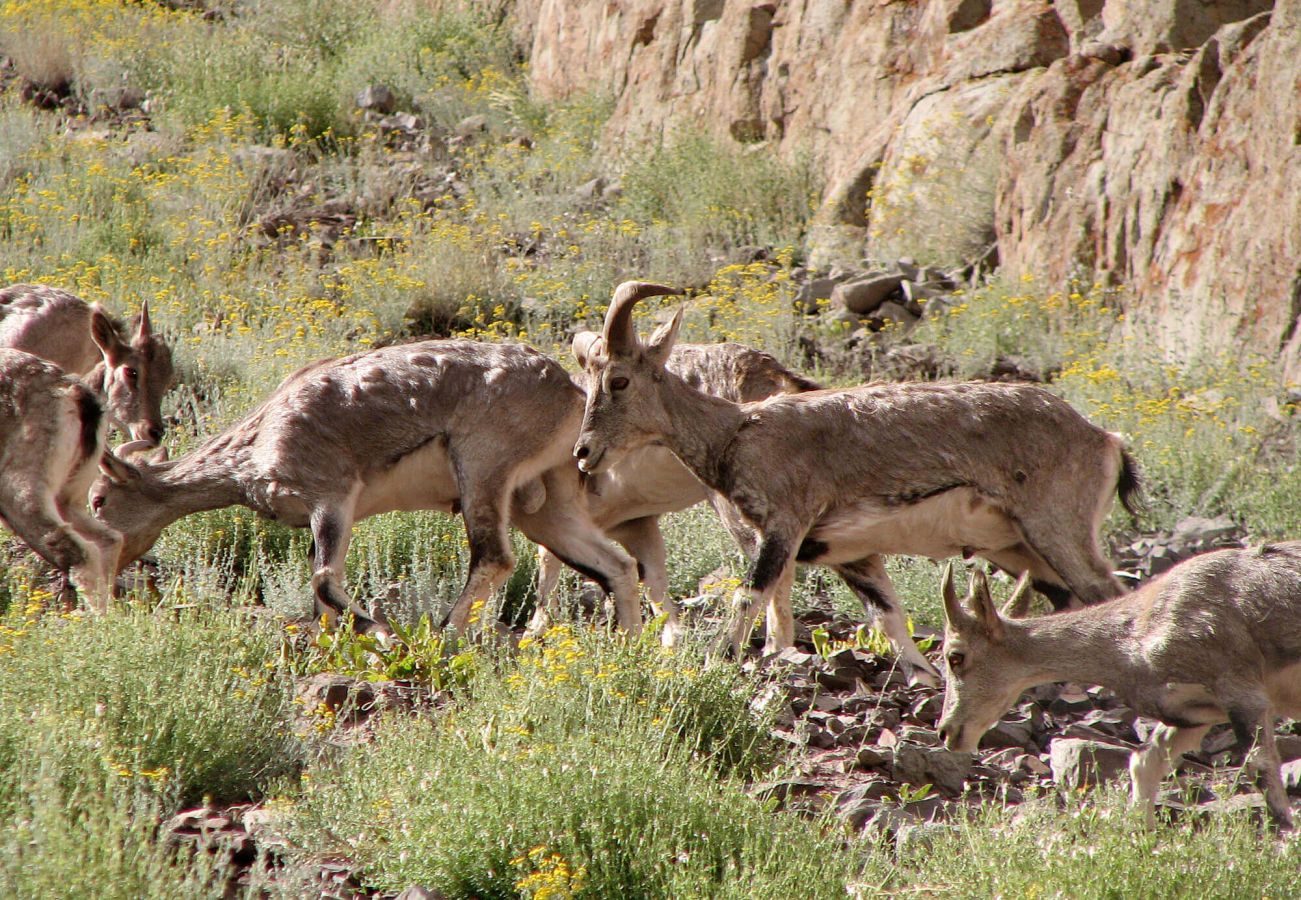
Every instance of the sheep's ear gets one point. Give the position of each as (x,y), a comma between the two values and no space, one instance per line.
(1019,603)
(660,344)
(586,344)
(118,471)
(982,606)
(105,335)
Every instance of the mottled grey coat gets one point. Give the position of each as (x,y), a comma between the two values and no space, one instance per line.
(1008,472)
(453,425)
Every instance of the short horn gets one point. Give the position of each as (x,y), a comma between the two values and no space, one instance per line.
(618,331)
(953,610)
(1018,604)
(144,329)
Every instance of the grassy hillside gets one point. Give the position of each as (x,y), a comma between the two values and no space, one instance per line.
(213,160)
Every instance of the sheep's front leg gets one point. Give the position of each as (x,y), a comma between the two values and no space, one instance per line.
(548,578)
(643,539)
(1147,767)
(331,525)
(776,557)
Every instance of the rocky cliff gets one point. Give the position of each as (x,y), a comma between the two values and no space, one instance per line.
(1155,144)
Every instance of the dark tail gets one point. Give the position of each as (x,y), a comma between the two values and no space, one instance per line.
(91,413)
(800,383)
(1129,486)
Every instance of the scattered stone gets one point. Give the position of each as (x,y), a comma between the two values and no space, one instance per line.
(806,299)
(1079,763)
(378,98)
(917,765)
(892,315)
(1010,734)
(927,710)
(1153,554)
(863,295)
(871,757)
(785,790)
(471,126)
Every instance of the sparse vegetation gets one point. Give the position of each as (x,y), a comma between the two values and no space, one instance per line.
(212,159)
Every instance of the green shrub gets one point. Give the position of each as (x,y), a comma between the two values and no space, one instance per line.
(577,769)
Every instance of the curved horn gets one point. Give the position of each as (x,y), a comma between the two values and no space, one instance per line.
(122,451)
(618,330)
(143,329)
(586,344)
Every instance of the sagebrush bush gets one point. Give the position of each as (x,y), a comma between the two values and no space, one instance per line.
(191,701)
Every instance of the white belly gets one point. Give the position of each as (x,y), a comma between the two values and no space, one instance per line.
(647,482)
(1284,687)
(420,480)
(939,527)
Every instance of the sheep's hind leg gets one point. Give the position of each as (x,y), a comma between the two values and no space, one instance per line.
(1253,725)
(1150,765)
(869,581)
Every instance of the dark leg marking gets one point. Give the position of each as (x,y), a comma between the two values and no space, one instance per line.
(1244,729)
(91,412)
(866,589)
(325,537)
(602,580)
(773,555)
(811,549)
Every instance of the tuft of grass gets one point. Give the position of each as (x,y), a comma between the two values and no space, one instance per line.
(98,836)
(1097,847)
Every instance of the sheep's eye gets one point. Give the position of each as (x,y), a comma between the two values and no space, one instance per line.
(618,384)
(956,660)
(131,373)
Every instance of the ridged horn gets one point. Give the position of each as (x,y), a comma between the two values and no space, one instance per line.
(585,345)
(122,451)
(618,332)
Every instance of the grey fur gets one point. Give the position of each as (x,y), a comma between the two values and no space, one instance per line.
(448,425)
(628,500)
(1215,639)
(1009,472)
(51,434)
(132,373)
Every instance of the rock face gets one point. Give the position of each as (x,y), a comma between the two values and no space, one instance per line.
(1152,143)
